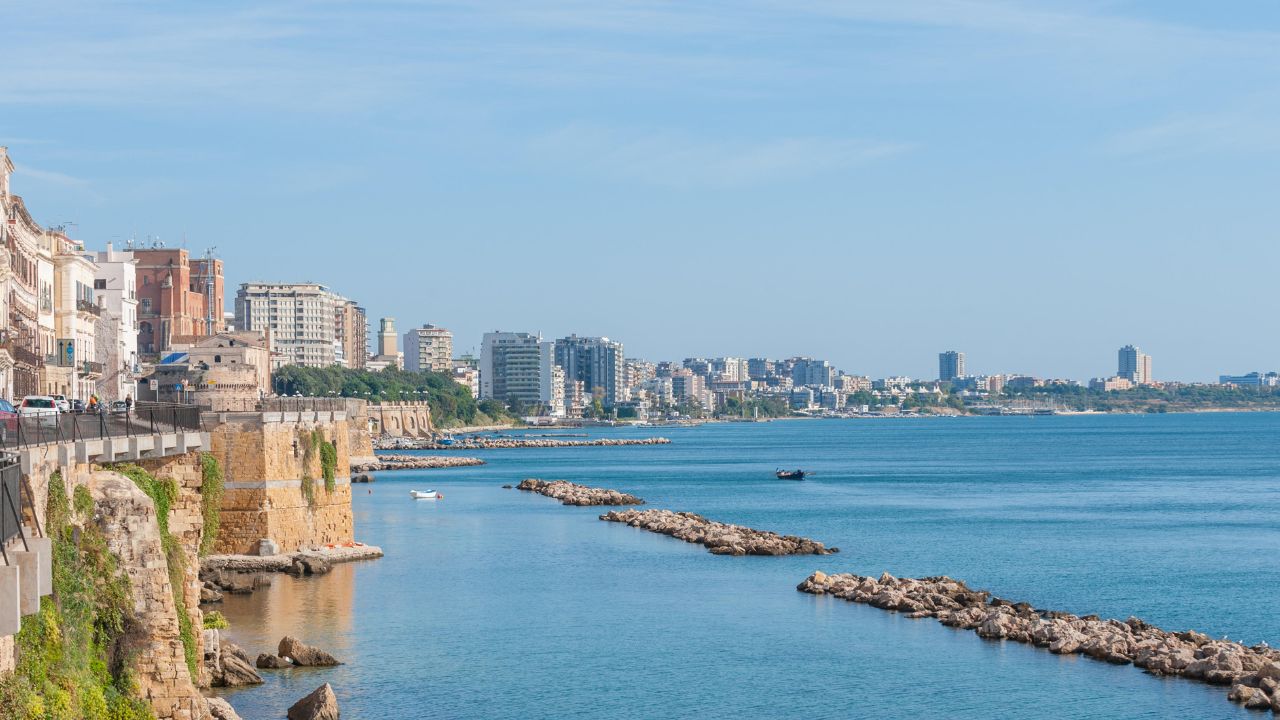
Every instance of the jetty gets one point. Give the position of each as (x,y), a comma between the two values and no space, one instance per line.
(573,494)
(1252,673)
(413,462)
(720,538)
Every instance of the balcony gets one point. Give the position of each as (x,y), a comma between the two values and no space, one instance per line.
(87,306)
(90,368)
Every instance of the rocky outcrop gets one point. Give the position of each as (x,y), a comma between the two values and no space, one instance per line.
(220,709)
(127,518)
(226,664)
(573,494)
(483,443)
(267,661)
(412,462)
(321,704)
(247,573)
(720,538)
(1253,673)
(303,654)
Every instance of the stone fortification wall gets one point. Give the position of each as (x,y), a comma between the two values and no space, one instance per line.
(400,419)
(267,459)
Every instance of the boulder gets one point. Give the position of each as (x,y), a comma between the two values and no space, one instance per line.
(220,709)
(266,661)
(321,704)
(304,655)
(236,672)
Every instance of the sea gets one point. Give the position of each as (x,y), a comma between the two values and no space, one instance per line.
(496,603)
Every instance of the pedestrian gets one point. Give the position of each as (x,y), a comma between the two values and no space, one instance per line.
(128,404)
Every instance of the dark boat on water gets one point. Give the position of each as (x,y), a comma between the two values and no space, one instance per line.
(790,474)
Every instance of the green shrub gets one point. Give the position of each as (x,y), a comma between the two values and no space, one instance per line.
(214,620)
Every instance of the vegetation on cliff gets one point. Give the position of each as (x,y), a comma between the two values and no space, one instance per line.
(71,658)
(210,501)
(1170,398)
(163,492)
(451,403)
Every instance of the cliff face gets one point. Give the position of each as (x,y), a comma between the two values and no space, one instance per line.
(127,518)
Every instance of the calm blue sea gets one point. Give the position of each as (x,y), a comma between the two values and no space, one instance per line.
(499,604)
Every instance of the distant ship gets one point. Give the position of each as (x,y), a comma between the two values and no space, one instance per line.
(790,474)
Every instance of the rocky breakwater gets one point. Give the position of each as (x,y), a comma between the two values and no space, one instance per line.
(413,462)
(1253,673)
(508,443)
(573,494)
(720,538)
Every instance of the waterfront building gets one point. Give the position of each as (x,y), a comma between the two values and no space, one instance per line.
(660,390)
(75,370)
(596,361)
(698,366)
(852,383)
(468,377)
(177,295)
(428,348)
(689,388)
(759,368)
(730,369)
(897,382)
(115,286)
(26,293)
(802,398)
(1253,379)
(552,380)
(809,372)
(575,398)
(950,365)
(351,334)
(301,320)
(511,368)
(1111,383)
(1134,365)
(388,356)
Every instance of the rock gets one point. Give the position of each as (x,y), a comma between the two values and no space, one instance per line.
(719,538)
(221,709)
(304,655)
(235,672)
(314,565)
(573,494)
(267,661)
(506,487)
(297,569)
(321,704)
(209,594)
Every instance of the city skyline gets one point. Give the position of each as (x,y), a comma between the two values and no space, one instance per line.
(683,176)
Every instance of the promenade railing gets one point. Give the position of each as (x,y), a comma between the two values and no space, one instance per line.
(144,418)
(11,496)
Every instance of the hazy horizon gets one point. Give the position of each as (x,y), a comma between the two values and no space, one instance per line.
(1033,183)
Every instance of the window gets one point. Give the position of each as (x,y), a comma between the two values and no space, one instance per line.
(217,358)
(99,284)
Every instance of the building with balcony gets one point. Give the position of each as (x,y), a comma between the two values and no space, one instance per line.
(428,348)
(116,290)
(301,321)
(512,365)
(1134,365)
(26,293)
(950,365)
(595,361)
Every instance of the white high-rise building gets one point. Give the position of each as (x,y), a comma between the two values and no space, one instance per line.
(428,348)
(302,320)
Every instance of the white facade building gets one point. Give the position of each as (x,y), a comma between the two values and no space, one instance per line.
(428,348)
(116,288)
(301,320)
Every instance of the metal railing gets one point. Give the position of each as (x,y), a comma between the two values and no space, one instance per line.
(11,495)
(303,404)
(144,418)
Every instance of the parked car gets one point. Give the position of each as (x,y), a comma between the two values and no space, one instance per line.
(8,420)
(119,407)
(77,406)
(64,405)
(43,409)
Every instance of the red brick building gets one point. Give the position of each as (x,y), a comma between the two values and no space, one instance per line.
(177,296)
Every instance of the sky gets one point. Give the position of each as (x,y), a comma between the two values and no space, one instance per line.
(1034,183)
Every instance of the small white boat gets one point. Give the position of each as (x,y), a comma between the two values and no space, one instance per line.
(428,495)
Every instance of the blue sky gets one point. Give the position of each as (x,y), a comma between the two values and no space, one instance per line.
(1036,183)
